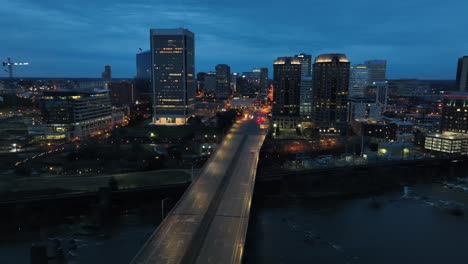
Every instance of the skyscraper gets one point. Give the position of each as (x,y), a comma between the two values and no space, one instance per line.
(306,64)
(358,81)
(173,74)
(263,79)
(462,74)
(107,74)
(223,81)
(286,91)
(143,89)
(381,94)
(143,65)
(330,93)
(377,70)
(210,82)
(201,82)
(455,113)
(306,85)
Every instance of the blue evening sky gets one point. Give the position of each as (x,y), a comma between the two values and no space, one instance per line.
(72,38)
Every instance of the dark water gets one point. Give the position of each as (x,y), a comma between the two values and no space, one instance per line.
(116,238)
(416,226)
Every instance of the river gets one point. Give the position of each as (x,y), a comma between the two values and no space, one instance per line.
(418,224)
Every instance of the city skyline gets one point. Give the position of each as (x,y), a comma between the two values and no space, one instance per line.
(69,40)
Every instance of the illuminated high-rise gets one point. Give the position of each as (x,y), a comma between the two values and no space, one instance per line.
(173,75)
(462,74)
(330,93)
(286,91)
(305,107)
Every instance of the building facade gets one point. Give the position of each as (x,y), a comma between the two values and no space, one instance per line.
(263,75)
(107,74)
(173,75)
(223,81)
(451,143)
(358,81)
(381,94)
(286,92)
(121,93)
(330,93)
(377,70)
(306,85)
(76,114)
(363,109)
(462,74)
(143,88)
(455,113)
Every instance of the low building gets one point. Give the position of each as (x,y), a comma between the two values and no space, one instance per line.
(447,142)
(76,114)
(375,129)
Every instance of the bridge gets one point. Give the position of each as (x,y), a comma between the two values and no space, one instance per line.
(209,222)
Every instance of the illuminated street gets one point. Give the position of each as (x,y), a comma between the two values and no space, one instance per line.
(219,199)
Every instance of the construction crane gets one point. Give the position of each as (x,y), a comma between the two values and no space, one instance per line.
(10,65)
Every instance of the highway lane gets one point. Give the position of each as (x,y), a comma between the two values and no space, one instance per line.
(171,241)
(225,239)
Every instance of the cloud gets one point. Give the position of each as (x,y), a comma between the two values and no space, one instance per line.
(418,38)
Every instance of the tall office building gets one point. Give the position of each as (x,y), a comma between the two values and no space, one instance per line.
(330,93)
(381,94)
(121,93)
(223,81)
(286,92)
(201,82)
(234,89)
(358,81)
(377,70)
(143,65)
(455,113)
(306,64)
(462,74)
(210,82)
(173,74)
(143,89)
(306,85)
(263,72)
(107,74)
(248,84)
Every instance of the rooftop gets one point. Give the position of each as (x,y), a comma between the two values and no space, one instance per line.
(285,60)
(449,135)
(330,57)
